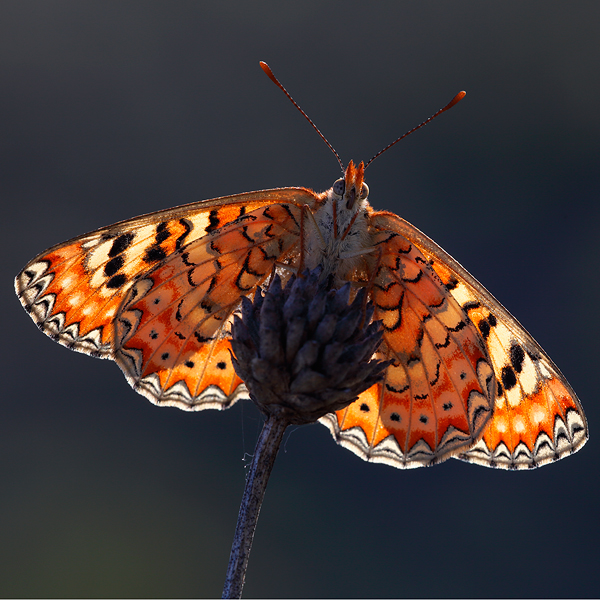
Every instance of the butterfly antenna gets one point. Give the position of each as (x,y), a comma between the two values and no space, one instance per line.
(265,67)
(454,101)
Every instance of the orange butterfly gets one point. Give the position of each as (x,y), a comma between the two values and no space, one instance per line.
(156,294)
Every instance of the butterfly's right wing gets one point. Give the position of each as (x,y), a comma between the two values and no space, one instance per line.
(537,416)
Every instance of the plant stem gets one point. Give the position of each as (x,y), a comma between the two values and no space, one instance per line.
(256,484)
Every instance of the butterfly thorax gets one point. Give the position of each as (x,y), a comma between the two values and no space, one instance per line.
(337,235)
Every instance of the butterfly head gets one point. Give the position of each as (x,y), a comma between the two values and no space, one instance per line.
(352,186)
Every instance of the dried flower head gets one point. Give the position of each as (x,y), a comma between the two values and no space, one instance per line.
(304,351)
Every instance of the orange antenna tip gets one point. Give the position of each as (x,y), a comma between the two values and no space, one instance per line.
(456,98)
(267,69)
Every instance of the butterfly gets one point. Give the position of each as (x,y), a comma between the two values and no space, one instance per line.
(157,295)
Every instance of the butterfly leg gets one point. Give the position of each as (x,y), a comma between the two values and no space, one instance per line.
(349,224)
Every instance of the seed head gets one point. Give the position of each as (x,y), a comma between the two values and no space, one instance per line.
(305,350)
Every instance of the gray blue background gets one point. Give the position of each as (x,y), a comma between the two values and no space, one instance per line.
(113,109)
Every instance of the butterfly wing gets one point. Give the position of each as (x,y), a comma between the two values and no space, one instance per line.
(172,331)
(537,416)
(96,293)
(437,395)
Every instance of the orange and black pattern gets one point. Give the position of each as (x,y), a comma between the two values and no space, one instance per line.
(156,294)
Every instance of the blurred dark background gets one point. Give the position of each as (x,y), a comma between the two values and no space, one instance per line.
(109,110)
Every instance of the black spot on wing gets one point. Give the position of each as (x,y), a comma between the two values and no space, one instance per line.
(213,221)
(396,390)
(113,265)
(452,284)
(116,282)
(246,268)
(201,338)
(415,279)
(187,225)
(509,379)
(436,376)
(471,305)
(30,275)
(121,244)
(390,236)
(517,357)
(395,417)
(460,325)
(420,336)
(162,233)
(154,254)
(190,275)
(485,328)
(439,304)
(445,343)
(178,314)
(245,234)
(213,284)
(290,213)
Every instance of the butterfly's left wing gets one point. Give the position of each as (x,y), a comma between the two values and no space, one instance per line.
(98,293)
(537,416)
(172,332)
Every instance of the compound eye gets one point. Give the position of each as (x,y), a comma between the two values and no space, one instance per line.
(339,186)
(364,192)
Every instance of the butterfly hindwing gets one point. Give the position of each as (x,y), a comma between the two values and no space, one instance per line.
(537,416)
(173,329)
(437,395)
